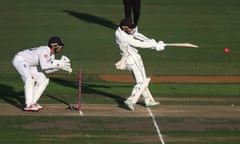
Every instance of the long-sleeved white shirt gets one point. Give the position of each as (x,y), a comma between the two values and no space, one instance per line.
(38,56)
(127,43)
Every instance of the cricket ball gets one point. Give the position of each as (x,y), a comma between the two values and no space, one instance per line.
(226,50)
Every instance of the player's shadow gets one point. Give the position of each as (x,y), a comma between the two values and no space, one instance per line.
(9,95)
(88,89)
(93,89)
(92,19)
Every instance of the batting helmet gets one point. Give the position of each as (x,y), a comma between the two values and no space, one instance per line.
(126,22)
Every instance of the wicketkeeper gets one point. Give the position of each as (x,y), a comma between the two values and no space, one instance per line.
(128,41)
(28,64)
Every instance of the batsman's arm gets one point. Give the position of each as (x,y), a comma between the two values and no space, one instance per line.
(140,36)
(160,46)
(150,43)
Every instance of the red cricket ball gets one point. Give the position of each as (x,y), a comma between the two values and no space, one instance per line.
(226,50)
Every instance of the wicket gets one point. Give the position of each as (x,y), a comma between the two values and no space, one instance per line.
(79,90)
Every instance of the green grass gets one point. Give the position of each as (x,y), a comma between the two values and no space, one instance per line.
(87,29)
(94,90)
(63,130)
(69,129)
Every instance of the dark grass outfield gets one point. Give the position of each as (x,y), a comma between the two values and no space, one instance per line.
(87,29)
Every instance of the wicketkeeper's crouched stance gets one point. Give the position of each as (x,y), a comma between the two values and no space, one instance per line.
(127,41)
(27,64)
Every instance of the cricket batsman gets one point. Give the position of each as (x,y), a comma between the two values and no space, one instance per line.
(127,41)
(31,62)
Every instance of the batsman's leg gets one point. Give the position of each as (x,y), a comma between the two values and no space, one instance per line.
(136,67)
(138,90)
(148,98)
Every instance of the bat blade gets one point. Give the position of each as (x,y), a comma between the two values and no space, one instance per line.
(182,45)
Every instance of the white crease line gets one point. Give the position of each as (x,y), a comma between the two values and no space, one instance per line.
(156,125)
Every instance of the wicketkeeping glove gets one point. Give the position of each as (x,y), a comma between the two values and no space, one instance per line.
(65,59)
(67,67)
(63,64)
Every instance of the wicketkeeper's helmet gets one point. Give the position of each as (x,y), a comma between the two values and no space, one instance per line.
(55,40)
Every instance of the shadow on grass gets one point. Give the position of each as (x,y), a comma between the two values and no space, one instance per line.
(9,95)
(88,89)
(92,19)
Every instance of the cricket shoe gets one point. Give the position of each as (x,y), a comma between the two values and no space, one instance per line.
(38,106)
(152,104)
(31,108)
(129,104)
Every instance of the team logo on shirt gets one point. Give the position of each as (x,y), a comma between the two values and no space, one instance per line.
(45,56)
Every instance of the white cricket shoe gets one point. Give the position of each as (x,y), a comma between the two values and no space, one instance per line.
(38,106)
(152,104)
(31,108)
(129,104)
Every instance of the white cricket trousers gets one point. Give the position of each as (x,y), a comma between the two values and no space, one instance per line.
(136,68)
(35,82)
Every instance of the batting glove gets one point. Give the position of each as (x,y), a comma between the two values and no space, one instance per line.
(160,46)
